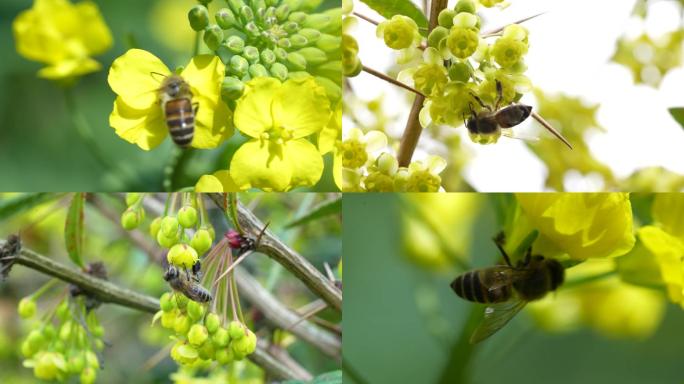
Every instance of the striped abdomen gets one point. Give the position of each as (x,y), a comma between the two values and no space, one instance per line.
(180,119)
(469,286)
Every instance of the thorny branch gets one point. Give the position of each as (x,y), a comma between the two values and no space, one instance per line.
(108,292)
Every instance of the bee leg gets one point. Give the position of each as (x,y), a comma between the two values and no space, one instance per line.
(528,256)
(195,107)
(499,95)
(479,101)
(504,254)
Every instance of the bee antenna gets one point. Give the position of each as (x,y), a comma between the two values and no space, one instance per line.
(158,74)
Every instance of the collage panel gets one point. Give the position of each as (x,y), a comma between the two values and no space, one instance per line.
(515,288)
(170,287)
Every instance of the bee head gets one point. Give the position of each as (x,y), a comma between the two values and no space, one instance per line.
(175,86)
(557,273)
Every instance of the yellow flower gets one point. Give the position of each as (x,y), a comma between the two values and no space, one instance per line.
(668,212)
(138,117)
(220,181)
(331,134)
(63,36)
(421,176)
(278,117)
(583,225)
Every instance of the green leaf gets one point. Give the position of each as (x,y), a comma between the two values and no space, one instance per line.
(73,228)
(678,115)
(332,377)
(324,209)
(13,206)
(389,8)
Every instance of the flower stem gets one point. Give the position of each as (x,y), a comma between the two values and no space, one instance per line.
(368,19)
(171,167)
(37,294)
(457,366)
(389,79)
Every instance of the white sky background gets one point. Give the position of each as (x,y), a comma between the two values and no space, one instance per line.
(570,48)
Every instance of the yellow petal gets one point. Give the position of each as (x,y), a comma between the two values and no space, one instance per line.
(301,107)
(213,123)
(33,40)
(668,212)
(146,128)
(307,163)
(220,181)
(69,68)
(261,164)
(669,253)
(132,77)
(337,170)
(253,109)
(93,31)
(205,73)
(583,225)
(332,133)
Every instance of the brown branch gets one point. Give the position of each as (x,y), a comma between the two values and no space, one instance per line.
(391,80)
(368,19)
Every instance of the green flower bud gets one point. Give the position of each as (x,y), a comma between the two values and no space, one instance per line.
(279,71)
(198,17)
(252,29)
(236,5)
(88,375)
(213,36)
(280,54)
(99,344)
(231,89)
(298,41)
(27,350)
(251,54)
(181,300)
(332,90)
(155,226)
(284,42)
(460,71)
(291,27)
(62,311)
(282,12)
(187,217)
(399,32)
(184,354)
(220,338)
(312,35)
(182,255)
(246,14)
(169,226)
(201,241)
(132,198)
(316,21)
(195,310)
(36,340)
(436,36)
(298,17)
(258,70)
(75,362)
(97,331)
(182,325)
(166,302)
(267,57)
(236,330)
(48,365)
(225,356)
(167,242)
(65,331)
(204,2)
(197,335)
(212,322)
(234,44)
(296,61)
(446,18)
(245,345)
(313,55)
(238,65)
(27,307)
(58,346)
(329,43)
(91,359)
(465,6)
(225,18)
(462,42)
(207,351)
(49,332)
(131,218)
(168,319)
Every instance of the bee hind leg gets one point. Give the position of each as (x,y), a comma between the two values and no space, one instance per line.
(195,107)
(499,244)
(499,95)
(479,101)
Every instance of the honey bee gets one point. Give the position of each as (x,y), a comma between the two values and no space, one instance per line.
(179,112)
(506,289)
(490,121)
(186,284)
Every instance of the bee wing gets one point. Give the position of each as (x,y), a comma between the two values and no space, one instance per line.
(498,276)
(495,317)
(509,133)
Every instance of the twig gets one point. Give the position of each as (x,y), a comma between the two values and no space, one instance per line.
(108,292)
(497,30)
(368,19)
(389,79)
(273,247)
(285,318)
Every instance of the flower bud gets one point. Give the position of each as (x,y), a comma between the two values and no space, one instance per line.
(312,35)
(225,18)
(182,255)
(251,54)
(167,242)
(166,302)
(168,319)
(88,375)
(187,216)
(329,43)
(446,18)
(27,307)
(183,353)
(155,226)
(298,41)
(297,17)
(48,365)
(49,332)
(231,89)
(252,29)
(279,71)
(92,360)
(213,36)
(182,325)
(465,6)
(181,300)
(130,219)
(258,70)
(316,21)
(207,351)
(236,330)
(296,62)
(195,310)
(169,226)
(234,44)
(313,55)
(436,36)
(460,71)
(282,12)
(246,14)
(284,43)
(267,57)
(197,335)
(75,362)
(224,355)
(132,198)
(198,17)
(220,338)
(205,2)
(291,27)
(36,340)
(212,322)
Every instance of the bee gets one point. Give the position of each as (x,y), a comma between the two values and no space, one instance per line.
(179,111)
(492,121)
(506,289)
(186,284)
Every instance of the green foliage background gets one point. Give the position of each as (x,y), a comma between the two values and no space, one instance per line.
(388,339)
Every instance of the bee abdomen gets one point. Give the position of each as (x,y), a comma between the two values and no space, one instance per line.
(180,119)
(469,286)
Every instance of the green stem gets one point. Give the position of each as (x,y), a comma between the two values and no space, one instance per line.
(37,294)
(171,167)
(232,210)
(457,368)
(198,43)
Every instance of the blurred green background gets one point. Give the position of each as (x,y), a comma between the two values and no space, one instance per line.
(134,343)
(403,323)
(40,149)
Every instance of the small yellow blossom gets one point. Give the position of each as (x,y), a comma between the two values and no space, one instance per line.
(278,117)
(586,225)
(220,181)
(421,176)
(63,36)
(138,115)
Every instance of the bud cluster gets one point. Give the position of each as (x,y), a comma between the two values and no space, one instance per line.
(200,333)
(275,38)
